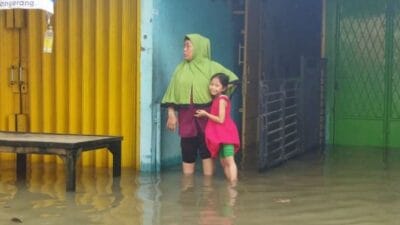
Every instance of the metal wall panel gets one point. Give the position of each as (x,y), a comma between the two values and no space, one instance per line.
(9,63)
(89,84)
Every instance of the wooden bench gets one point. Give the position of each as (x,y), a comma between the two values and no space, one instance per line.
(67,146)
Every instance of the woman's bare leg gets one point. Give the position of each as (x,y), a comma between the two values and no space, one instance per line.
(208,167)
(188,168)
(187,182)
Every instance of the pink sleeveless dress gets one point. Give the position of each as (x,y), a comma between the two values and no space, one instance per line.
(217,133)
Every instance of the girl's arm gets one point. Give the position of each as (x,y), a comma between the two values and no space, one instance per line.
(220,118)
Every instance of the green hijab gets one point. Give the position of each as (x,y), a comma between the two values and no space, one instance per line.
(194,76)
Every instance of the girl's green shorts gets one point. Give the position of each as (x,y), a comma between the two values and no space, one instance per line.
(226,151)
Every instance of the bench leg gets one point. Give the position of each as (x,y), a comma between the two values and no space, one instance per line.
(70,170)
(21,166)
(115,149)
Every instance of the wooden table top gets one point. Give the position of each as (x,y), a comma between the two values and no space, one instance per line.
(52,140)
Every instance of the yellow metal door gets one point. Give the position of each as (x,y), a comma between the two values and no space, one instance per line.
(13,86)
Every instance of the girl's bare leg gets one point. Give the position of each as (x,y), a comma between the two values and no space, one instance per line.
(225,167)
(230,168)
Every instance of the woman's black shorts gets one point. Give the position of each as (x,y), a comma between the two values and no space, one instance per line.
(192,146)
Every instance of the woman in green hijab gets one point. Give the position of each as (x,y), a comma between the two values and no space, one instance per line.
(188,92)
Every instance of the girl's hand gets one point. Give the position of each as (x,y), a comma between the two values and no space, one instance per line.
(200,113)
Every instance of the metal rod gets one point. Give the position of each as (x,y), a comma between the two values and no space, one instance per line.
(12,81)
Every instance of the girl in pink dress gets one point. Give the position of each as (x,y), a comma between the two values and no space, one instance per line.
(221,134)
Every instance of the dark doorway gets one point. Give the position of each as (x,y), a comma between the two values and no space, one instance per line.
(281,80)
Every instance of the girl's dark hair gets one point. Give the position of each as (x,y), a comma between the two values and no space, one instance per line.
(223,78)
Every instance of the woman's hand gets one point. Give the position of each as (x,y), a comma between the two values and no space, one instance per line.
(201,113)
(172,121)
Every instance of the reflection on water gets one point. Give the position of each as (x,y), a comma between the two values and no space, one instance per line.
(338,186)
(199,200)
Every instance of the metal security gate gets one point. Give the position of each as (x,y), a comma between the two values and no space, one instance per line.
(364,57)
(290,114)
(280,123)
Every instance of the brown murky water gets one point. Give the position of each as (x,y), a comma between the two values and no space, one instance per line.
(340,186)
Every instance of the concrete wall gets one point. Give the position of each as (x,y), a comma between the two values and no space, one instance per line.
(171,20)
(148,155)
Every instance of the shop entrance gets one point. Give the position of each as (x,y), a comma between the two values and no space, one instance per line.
(281,81)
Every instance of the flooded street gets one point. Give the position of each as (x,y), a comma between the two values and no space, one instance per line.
(338,186)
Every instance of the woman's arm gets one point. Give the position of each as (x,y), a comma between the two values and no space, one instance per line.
(172,121)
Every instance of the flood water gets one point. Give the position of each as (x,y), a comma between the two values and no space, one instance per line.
(335,186)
